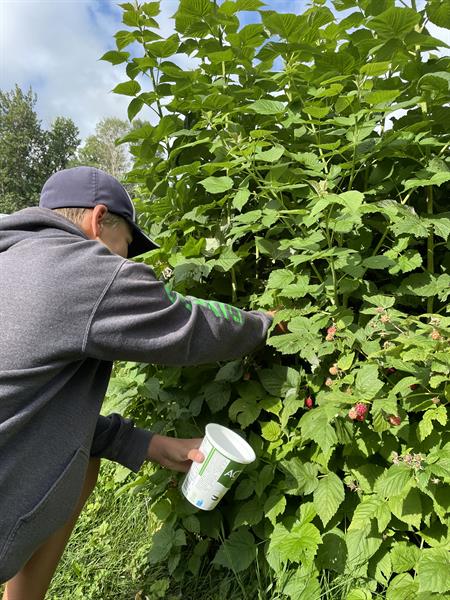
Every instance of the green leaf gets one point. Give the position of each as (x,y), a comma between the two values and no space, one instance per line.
(296,544)
(371,507)
(374,69)
(226,260)
(240,198)
(302,476)
(274,506)
(407,507)
(395,22)
(114,57)
(217,395)
(402,587)
(267,107)
(437,413)
(328,496)
(394,481)
(315,426)
(270,430)
(217,185)
(378,262)
(237,552)
(271,155)
(367,382)
(280,278)
(434,570)
(438,11)
(124,39)
(286,25)
(404,557)
(128,88)
(360,547)
(425,284)
(435,179)
(134,107)
(381,96)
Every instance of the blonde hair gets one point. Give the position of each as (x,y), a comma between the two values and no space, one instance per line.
(76,215)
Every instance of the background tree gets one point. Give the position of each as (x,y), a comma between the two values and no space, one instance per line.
(28,153)
(100,149)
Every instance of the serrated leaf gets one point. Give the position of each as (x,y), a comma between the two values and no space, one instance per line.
(438,11)
(280,278)
(404,557)
(237,552)
(271,155)
(240,198)
(360,547)
(367,382)
(395,22)
(315,426)
(328,496)
(394,481)
(250,513)
(296,544)
(226,260)
(270,430)
(375,68)
(302,477)
(217,395)
(437,413)
(382,96)
(433,570)
(274,506)
(402,587)
(267,107)
(371,507)
(407,507)
(217,185)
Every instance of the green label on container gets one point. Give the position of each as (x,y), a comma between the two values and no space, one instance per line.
(232,470)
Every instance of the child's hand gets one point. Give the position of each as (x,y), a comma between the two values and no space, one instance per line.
(174,453)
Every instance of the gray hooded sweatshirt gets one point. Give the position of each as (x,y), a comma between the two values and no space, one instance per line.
(68,308)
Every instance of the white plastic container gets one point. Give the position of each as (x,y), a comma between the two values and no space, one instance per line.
(226,455)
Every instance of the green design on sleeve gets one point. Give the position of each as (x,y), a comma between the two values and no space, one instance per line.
(220,310)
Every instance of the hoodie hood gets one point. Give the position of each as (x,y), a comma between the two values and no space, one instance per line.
(29,222)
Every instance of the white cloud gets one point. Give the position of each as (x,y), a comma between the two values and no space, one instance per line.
(54,46)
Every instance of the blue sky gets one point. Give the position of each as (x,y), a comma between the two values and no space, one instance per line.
(55,46)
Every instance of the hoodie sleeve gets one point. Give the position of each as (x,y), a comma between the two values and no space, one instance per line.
(137,319)
(117,439)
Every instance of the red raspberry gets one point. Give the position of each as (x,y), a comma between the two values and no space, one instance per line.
(414,386)
(333,370)
(394,420)
(309,402)
(391,370)
(361,410)
(331,330)
(435,335)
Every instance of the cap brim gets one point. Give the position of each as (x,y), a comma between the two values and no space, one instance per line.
(141,243)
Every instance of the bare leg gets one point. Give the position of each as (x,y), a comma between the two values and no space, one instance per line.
(33,580)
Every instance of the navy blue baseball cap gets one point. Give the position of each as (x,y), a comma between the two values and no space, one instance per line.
(86,187)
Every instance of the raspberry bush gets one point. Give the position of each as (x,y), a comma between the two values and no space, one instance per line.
(301,161)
